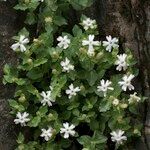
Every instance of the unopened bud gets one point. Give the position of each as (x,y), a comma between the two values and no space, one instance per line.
(119,119)
(54,71)
(22,98)
(50,117)
(83,50)
(55,55)
(29,61)
(99,55)
(124,106)
(82,88)
(48,19)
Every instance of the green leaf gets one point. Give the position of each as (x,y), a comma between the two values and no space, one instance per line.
(21,81)
(11,74)
(80,4)
(91,142)
(24,32)
(59,20)
(40,61)
(94,124)
(35,74)
(42,111)
(105,105)
(91,77)
(65,143)
(73,105)
(76,112)
(22,7)
(98,138)
(87,64)
(20,138)
(31,18)
(117,89)
(85,3)
(89,104)
(35,121)
(9,79)
(57,84)
(15,105)
(76,31)
(6,69)
(84,140)
(31,89)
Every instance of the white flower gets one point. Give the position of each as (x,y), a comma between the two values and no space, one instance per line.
(41,0)
(115,102)
(47,134)
(21,44)
(121,62)
(126,83)
(89,24)
(47,99)
(118,137)
(110,43)
(90,43)
(104,86)
(134,98)
(63,42)
(22,118)
(67,130)
(72,91)
(67,67)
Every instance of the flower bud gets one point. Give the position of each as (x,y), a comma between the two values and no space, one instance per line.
(21,147)
(82,88)
(115,102)
(48,19)
(22,98)
(124,106)
(82,50)
(55,55)
(14,79)
(29,61)
(119,119)
(54,71)
(50,117)
(99,55)
(37,41)
(27,53)
(137,132)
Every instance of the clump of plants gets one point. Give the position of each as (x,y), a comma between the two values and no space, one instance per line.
(72,89)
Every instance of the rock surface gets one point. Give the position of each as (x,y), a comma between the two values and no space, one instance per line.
(8,27)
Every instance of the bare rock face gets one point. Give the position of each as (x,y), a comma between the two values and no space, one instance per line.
(8,27)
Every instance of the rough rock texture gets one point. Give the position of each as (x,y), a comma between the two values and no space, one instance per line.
(128,19)
(8,27)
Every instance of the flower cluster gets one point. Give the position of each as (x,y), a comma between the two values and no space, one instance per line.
(66,86)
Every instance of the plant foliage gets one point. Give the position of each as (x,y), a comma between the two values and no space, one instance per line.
(93,113)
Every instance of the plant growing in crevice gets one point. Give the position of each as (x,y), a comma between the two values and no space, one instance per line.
(71,82)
